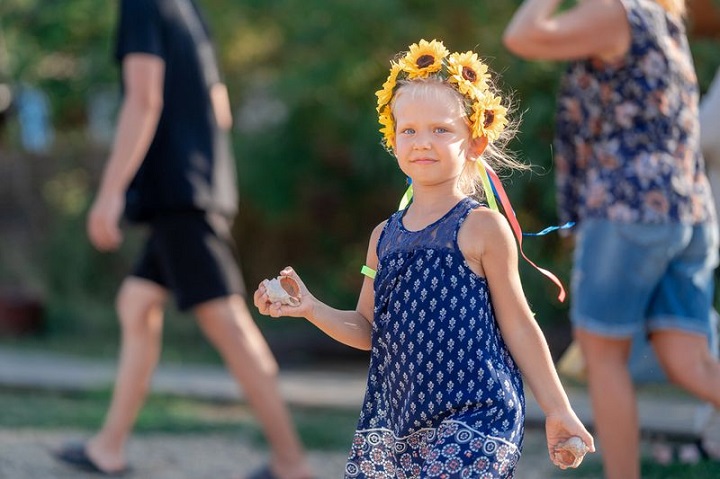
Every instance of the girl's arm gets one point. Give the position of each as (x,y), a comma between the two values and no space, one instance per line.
(489,247)
(591,28)
(352,328)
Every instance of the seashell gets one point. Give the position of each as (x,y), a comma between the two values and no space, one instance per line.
(570,453)
(282,289)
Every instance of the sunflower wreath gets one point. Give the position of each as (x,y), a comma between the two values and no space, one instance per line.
(465,72)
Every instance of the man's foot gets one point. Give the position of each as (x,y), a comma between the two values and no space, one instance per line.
(264,472)
(75,454)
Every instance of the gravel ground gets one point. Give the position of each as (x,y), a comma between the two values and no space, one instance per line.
(25,454)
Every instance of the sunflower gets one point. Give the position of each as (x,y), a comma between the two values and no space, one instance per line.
(385,94)
(468,73)
(424,58)
(488,118)
(388,127)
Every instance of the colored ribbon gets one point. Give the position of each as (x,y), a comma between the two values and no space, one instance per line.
(405,200)
(498,189)
(550,229)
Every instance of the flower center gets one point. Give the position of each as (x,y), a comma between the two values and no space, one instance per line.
(489,118)
(425,61)
(469,74)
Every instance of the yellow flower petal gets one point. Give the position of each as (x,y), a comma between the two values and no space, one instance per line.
(385,95)
(388,127)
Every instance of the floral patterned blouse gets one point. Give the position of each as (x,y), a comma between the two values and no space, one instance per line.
(627,132)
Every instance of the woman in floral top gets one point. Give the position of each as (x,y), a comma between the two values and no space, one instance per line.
(630,173)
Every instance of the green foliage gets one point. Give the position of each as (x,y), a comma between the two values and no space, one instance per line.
(62,47)
(314,179)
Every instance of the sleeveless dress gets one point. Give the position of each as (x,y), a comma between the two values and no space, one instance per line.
(444,397)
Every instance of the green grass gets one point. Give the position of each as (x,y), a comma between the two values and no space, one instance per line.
(652,470)
(319,429)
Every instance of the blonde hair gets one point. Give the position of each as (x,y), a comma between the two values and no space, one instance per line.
(496,154)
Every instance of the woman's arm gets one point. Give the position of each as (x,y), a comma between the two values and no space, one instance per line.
(591,28)
(352,328)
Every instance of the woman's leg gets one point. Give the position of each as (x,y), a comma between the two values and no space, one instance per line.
(614,403)
(687,360)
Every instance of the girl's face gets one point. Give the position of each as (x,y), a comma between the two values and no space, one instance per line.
(433,140)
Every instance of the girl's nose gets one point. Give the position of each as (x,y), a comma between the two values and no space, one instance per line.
(421,141)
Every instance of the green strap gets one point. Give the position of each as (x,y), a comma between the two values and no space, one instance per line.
(367,271)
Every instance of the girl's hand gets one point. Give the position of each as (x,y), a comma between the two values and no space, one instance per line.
(277,309)
(559,429)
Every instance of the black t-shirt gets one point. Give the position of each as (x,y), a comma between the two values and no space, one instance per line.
(189,165)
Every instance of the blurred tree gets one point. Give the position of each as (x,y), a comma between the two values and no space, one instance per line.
(314,179)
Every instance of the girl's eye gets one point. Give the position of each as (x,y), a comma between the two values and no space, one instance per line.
(441,129)
(408,131)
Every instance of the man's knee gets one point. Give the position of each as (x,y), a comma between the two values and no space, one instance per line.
(139,303)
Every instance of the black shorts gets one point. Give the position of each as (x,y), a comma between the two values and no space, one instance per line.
(193,256)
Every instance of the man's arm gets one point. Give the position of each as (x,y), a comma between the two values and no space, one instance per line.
(143,77)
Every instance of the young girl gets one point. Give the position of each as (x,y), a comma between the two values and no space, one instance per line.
(445,316)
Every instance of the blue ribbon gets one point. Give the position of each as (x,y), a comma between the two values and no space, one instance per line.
(550,229)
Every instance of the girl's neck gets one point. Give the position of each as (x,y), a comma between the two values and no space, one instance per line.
(436,197)
(429,206)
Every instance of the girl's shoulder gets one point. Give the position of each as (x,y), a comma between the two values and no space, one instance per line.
(484,220)
(480,234)
(484,228)
(377,231)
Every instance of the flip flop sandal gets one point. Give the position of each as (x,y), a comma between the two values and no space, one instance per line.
(263,473)
(75,455)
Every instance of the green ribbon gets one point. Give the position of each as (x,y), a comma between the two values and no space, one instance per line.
(405,200)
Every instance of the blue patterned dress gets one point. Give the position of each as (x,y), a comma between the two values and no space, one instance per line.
(444,397)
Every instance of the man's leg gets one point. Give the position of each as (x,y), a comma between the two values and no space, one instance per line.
(614,403)
(229,326)
(140,310)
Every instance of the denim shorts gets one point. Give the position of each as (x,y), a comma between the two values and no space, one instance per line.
(632,278)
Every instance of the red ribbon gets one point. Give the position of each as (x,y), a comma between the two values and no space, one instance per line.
(510,215)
